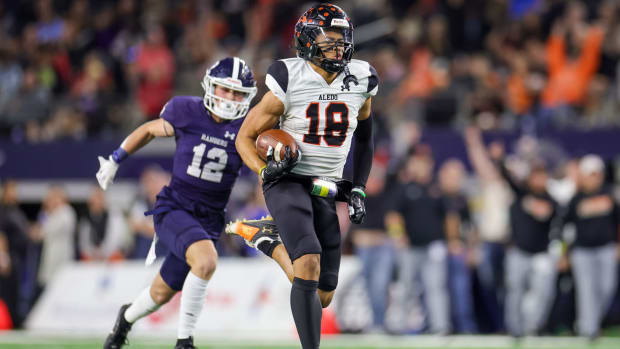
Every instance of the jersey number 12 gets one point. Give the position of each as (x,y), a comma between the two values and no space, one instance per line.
(335,130)
(212,170)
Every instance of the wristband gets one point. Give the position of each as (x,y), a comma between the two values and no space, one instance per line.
(359,191)
(119,155)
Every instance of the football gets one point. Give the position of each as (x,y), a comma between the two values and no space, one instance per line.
(277,139)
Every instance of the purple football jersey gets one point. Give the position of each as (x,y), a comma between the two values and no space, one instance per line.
(206,162)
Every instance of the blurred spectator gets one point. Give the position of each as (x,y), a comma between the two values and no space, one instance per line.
(530,268)
(102,233)
(595,213)
(572,63)
(50,26)
(499,63)
(92,92)
(11,75)
(56,231)
(518,87)
(65,123)
(31,104)
(374,247)
(154,71)
(417,207)
(442,105)
(492,223)
(13,247)
(152,180)
(564,186)
(459,233)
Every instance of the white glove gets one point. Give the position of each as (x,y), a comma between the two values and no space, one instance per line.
(107,171)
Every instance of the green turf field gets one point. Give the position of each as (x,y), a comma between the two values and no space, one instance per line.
(25,340)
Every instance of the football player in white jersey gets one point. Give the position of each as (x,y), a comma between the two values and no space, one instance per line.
(322,98)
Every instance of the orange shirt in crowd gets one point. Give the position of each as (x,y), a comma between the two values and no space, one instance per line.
(419,82)
(569,80)
(519,99)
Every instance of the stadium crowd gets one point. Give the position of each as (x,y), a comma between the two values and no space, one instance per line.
(501,64)
(488,247)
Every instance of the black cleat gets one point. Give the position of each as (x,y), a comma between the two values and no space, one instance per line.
(118,337)
(186,343)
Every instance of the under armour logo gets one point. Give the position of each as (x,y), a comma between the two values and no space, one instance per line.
(230,135)
(347,81)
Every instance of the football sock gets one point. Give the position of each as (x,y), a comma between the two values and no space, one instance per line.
(192,301)
(307,312)
(267,246)
(141,307)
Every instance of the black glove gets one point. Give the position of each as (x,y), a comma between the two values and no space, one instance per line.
(357,208)
(276,169)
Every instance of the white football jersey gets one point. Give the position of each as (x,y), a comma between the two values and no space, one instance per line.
(321,117)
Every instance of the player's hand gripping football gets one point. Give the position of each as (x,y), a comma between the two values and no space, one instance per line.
(276,169)
(357,207)
(107,171)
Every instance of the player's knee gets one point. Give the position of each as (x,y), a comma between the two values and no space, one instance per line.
(326,297)
(201,256)
(204,267)
(307,267)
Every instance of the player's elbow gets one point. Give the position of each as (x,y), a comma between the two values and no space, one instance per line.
(239,142)
(243,140)
(148,130)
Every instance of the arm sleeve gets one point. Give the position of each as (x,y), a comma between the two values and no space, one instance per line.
(508,177)
(591,52)
(555,54)
(362,152)
(277,81)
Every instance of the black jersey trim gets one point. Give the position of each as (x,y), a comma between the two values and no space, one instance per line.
(373,79)
(279,72)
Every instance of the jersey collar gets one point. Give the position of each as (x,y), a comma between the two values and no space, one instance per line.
(337,80)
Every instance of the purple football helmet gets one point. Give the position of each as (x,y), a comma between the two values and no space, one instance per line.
(235,74)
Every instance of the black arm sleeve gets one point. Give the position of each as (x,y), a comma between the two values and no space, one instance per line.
(501,165)
(362,152)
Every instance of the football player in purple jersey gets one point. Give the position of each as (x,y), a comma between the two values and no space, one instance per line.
(189,212)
